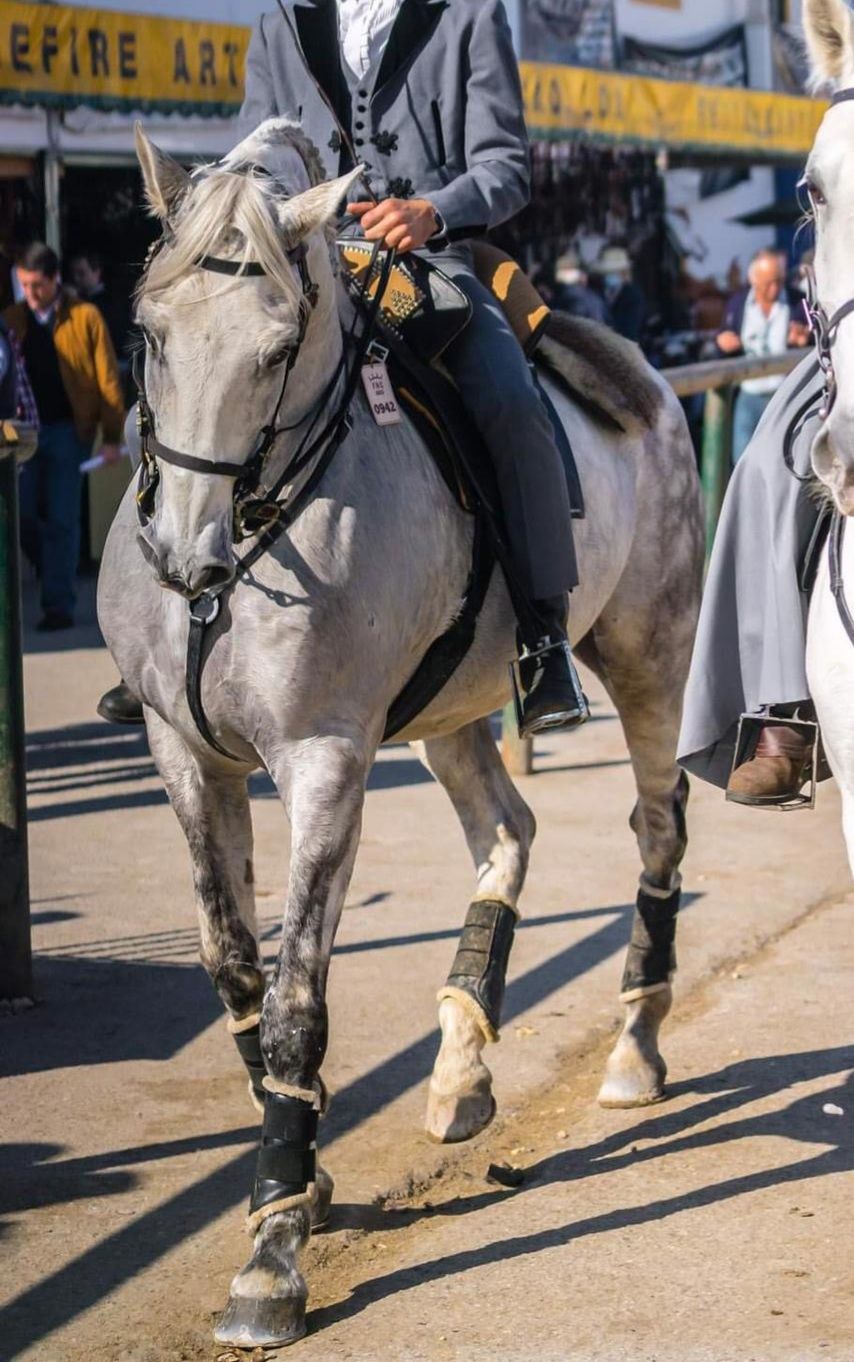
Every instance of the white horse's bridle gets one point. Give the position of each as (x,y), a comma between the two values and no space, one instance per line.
(824,329)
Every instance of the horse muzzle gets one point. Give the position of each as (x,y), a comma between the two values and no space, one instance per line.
(187,575)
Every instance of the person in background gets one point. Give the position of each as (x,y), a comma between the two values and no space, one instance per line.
(87,276)
(765,318)
(72,367)
(625,301)
(572,292)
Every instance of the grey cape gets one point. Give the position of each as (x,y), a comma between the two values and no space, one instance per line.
(750,650)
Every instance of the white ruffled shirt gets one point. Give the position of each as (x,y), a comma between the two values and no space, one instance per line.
(363,31)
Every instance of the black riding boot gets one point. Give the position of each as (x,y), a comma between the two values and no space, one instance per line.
(120,706)
(552,697)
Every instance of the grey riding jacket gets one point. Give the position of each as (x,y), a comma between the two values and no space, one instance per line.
(442,119)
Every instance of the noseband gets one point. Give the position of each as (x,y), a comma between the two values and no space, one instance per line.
(824,328)
(250,515)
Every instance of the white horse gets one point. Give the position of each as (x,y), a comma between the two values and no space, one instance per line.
(829,28)
(312,645)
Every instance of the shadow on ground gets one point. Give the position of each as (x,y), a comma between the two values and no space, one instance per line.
(100,1011)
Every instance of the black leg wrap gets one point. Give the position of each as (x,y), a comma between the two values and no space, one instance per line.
(286,1159)
(651,957)
(249,1047)
(480,966)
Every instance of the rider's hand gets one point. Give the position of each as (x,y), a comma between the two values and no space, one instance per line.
(111,453)
(406,224)
(729,342)
(799,335)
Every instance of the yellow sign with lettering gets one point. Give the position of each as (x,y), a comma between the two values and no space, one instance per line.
(563,100)
(62,55)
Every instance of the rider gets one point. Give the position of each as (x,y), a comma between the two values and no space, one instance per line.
(427,97)
(750,653)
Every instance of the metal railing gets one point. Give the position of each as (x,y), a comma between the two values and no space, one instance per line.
(718,379)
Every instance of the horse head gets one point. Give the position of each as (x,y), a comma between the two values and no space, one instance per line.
(237,307)
(829,29)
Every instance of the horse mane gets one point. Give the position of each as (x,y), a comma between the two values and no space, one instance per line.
(607,374)
(231,209)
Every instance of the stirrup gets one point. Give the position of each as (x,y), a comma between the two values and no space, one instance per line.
(750,728)
(561,718)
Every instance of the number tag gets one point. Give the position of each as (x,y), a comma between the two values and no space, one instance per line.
(381,398)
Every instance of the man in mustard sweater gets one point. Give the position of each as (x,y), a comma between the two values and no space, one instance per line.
(72,368)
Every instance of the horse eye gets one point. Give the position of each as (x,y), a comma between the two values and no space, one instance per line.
(278,357)
(816,196)
(152,343)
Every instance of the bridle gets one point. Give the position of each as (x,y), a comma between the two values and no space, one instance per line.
(252,514)
(824,328)
(270,516)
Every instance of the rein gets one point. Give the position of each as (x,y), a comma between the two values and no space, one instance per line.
(837,585)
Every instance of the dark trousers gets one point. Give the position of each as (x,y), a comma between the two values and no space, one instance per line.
(50,513)
(492,374)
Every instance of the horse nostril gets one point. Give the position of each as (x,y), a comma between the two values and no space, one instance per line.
(211,577)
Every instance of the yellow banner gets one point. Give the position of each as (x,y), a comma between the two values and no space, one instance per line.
(59,54)
(570,100)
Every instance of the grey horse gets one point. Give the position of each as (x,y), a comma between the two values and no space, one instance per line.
(314,643)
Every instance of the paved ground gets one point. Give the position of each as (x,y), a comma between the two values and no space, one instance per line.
(713,1227)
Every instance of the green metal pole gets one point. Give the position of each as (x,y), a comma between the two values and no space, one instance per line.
(717,457)
(16,974)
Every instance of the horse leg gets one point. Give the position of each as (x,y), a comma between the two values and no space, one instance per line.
(499,828)
(213,810)
(212,807)
(323,784)
(649,701)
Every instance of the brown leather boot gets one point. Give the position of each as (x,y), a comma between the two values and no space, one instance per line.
(776,773)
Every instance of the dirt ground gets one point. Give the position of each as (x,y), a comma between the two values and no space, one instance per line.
(713,1227)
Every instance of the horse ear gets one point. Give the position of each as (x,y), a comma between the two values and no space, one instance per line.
(165,180)
(829,30)
(313,208)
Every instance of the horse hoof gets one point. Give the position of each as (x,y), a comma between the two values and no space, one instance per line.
(249,1322)
(621,1094)
(321,1201)
(638,1083)
(459,1116)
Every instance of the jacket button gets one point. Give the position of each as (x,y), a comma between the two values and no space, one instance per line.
(361,108)
(359,126)
(363,94)
(359,141)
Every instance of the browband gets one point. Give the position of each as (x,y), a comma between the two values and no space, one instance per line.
(843,96)
(216,266)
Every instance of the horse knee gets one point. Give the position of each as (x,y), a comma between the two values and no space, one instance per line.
(229,954)
(659,823)
(294,1036)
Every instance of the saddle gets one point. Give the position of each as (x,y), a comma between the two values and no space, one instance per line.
(420,313)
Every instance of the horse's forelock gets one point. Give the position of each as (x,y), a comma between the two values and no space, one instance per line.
(225,210)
